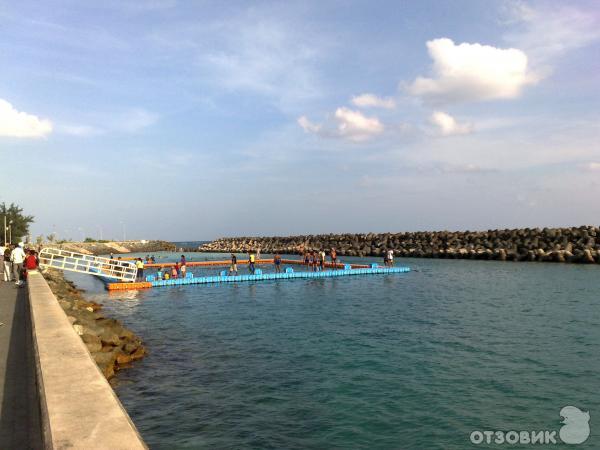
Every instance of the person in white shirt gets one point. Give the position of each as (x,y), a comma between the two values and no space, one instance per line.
(390,257)
(2,250)
(17,258)
(7,264)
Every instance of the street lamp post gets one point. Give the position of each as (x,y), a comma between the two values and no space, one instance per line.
(10,231)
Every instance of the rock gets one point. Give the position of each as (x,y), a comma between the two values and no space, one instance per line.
(131,347)
(558,256)
(502,254)
(65,305)
(138,354)
(105,358)
(126,334)
(92,342)
(108,338)
(517,244)
(587,256)
(103,337)
(123,359)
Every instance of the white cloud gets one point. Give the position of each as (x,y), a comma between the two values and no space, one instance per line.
(346,124)
(539,146)
(467,168)
(132,120)
(549,30)
(372,101)
(593,166)
(308,126)
(80,130)
(356,126)
(472,72)
(19,124)
(135,120)
(262,52)
(448,125)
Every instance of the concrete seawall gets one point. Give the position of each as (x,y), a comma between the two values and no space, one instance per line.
(78,408)
(574,244)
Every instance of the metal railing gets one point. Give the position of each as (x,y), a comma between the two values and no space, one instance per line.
(90,264)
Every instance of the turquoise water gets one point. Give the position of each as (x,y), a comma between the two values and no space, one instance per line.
(416,360)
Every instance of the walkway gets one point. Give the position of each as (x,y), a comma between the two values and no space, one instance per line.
(19,410)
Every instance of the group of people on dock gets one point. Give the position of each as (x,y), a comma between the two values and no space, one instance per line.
(316,260)
(16,261)
(178,270)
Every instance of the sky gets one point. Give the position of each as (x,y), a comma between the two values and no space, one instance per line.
(192,120)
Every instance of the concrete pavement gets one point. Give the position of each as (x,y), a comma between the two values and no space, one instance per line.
(79,408)
(19,406)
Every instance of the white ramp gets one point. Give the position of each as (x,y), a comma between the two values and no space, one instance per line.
(94,265)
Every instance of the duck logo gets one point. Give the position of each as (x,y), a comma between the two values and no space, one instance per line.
(576,427)
(575,430)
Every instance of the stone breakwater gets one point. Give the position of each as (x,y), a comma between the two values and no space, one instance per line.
(575,244)
(111,345)
(106,248)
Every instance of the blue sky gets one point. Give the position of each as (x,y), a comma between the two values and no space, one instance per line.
(194,120)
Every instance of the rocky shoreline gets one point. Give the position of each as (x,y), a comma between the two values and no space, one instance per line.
(106,248)
(565,245)
(111,345)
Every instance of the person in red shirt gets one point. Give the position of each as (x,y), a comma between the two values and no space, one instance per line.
(31,263)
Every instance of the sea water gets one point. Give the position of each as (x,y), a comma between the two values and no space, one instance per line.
(415,360)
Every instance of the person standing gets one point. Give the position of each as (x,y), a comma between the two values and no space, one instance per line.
(322,259)
(2,249)
(277,261)
(390,257)
(31,264)
(140,268)
(313,260)
(7,264)
(251,261)
(333,255)
(233,268)
(17,257)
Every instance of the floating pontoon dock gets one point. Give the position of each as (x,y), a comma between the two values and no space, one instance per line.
(258,261)
(120,275)
(223,277)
